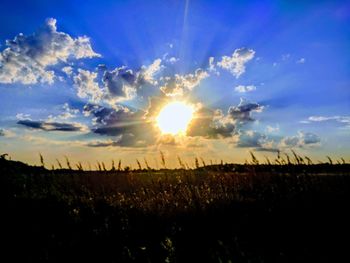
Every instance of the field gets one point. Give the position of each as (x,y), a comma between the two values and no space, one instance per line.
(286,210)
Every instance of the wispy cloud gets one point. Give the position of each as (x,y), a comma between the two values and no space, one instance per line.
(244,89)
(342,120)
(301,61)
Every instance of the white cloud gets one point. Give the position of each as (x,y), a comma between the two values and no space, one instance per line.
(173,60)
(180,84)
(150,71)
(271,129)
(22,116)
(27,58)
(236,63)
(86,85)
(67,113)
(344,120)
(243,89)
(170,60)
(190,81)
(68,70)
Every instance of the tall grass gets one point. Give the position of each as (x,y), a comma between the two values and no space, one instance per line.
(199,162)
(231,211)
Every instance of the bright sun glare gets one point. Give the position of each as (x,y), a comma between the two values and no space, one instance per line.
(174,118)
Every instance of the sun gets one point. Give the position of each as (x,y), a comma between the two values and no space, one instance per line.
(174,118)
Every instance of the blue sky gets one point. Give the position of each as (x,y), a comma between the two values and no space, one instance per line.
(88,78)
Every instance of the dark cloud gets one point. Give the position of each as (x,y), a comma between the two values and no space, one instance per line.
(109,116)
(130,127)
(130,139)
(265,149)
(136,126)
(214,124)
(290,141)
(310,138)
(301,140)
(120,84)
(210,124)
(251,139)
(124,140)
(258,141)
(123,83)
(242,112)
(262,142)
(51,126)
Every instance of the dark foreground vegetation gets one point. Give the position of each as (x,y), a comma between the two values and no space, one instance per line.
(289,211)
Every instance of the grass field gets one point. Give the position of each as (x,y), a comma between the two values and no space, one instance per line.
(286,210)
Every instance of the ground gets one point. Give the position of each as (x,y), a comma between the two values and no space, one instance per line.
(290,212)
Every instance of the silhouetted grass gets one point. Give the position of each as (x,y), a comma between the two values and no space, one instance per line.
(285,210)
